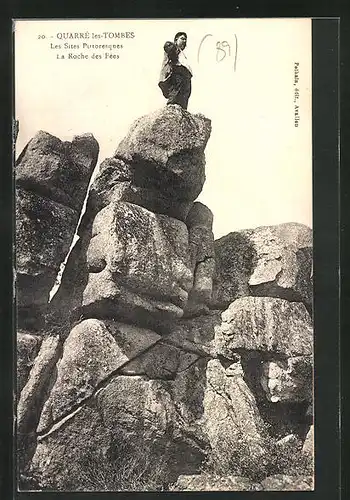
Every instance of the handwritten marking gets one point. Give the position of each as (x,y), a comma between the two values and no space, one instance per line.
(200,45)
(236,52)
(223,50)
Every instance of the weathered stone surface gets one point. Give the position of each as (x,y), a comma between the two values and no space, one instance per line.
(195,335)
(15,130)
(41,376)
(32,398)
(161,361)
(130,411)
(116,181)
(58,170)
(52,178)
(308,446)
(93,350)
(231,417)
(266,324)
(44,231)
(282,482)
(208,482)
(139,266)
(289,380)
(166,150)
(28,346)
(273,261)
(288,441)
(201,242)
(187,391)
(59,459)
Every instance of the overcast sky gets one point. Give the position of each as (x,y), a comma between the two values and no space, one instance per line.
(259,165)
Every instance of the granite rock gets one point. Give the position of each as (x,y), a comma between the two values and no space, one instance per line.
(58,170)
(273,261)
(93,350)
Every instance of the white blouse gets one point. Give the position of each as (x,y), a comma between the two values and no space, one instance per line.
(184,61)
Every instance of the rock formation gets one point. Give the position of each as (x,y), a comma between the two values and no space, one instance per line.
(51,180)
(166,360)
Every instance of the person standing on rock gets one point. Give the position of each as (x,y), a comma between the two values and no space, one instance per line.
(176,73)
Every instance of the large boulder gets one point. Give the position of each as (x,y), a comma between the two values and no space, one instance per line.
(273,261)
(51,179)
(116,181)
(139,266)
(159,165)
(231,419)
(58,170)
(266,324)
(93,350)
(130,416)
(275,340)
(44,232)
(166,148)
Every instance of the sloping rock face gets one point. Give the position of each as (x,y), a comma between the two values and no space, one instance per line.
(28,346)
(168,357)
(232,420)
(33,395)
(51,181)
(129,411)
(92,352)
(274,261)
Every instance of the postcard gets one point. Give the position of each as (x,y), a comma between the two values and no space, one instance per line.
(164,254)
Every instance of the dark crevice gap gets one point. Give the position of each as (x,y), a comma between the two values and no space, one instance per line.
(76,236)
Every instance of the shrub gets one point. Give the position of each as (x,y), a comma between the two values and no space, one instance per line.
(241,460)
(131,469)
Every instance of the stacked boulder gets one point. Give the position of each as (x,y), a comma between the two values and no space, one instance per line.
(127,281)
(51,181)
(177,347)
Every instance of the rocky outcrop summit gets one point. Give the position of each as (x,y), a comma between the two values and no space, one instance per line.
(166,360)
(160,165)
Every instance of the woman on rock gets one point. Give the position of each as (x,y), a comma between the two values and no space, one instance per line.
(176,74)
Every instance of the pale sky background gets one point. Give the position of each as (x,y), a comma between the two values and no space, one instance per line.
(259,166)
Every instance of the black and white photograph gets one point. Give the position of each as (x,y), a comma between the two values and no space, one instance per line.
(164,255)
